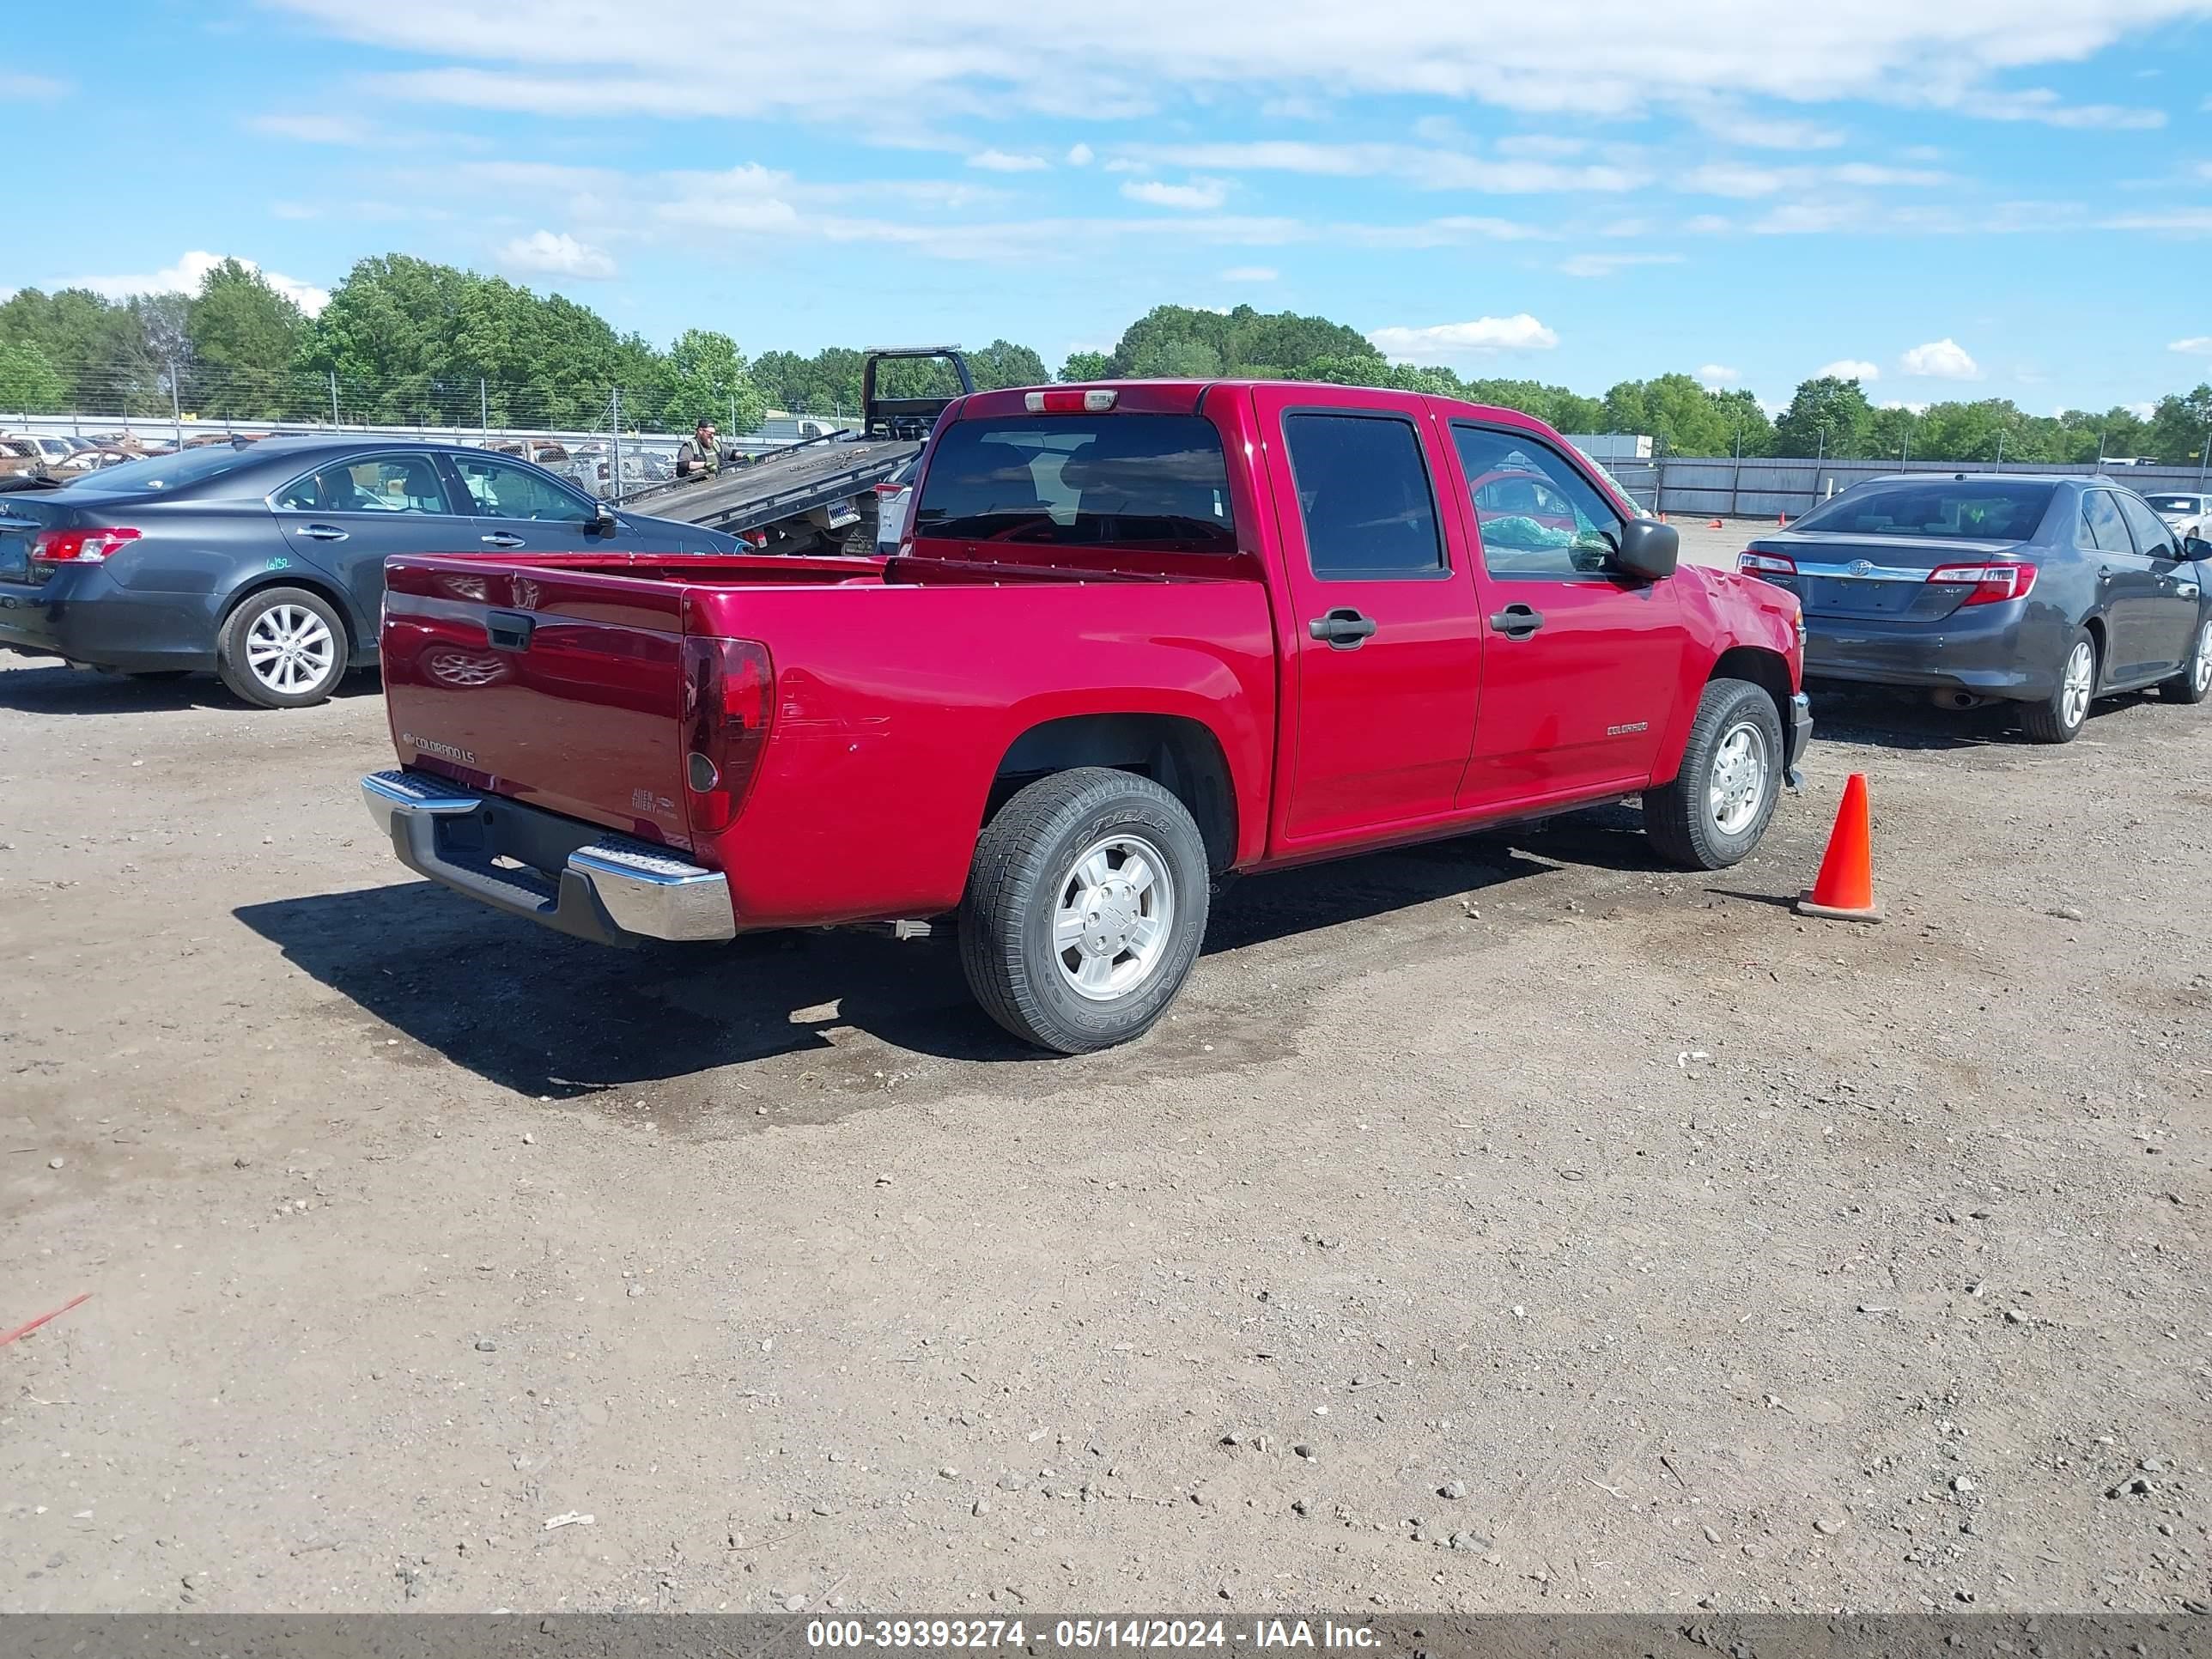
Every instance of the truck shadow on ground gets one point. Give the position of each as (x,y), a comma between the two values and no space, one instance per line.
(540,1013)
(63,690)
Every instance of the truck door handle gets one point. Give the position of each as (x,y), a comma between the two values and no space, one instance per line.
(1516,622)
(509,630)
(322,532)
(502,539)
(1344,628)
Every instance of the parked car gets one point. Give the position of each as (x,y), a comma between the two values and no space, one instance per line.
(49,448)
(2186,513)
(1146,636)
(266,562)
(20,457)
(2048,593)
(92,457)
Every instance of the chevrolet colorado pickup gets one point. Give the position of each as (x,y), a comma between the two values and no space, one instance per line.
(1139,637)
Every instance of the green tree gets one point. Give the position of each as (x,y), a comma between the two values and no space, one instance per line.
(1891,435)
(1002,363)
(1682,417)
(1825,415)
(28,384)
(1087,366)
(245,336)
(706,379)
(2179,426)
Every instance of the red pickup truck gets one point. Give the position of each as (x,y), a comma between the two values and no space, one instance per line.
(1140,637)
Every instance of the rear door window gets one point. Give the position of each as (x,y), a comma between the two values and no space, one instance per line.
(2102,527)
(374,483)
(1364,494)
(1153,481)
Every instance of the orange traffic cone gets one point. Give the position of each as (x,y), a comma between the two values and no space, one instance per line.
(1782,521)
(1845,888)
(1715,525)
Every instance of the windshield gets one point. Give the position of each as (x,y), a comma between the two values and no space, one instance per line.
(1158,482)
(1965,509)
(162,471)
(2175,503)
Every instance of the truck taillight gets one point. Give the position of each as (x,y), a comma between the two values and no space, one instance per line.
(81,546)
(1993,583)
(1765,564)
(729,695)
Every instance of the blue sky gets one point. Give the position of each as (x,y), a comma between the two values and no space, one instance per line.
(1984,198)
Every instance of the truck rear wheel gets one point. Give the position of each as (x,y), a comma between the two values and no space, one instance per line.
(1085,907)
(1717,807)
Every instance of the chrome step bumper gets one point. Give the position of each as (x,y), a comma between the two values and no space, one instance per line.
(609,888)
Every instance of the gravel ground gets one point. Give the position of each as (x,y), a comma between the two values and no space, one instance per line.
(1503,1223)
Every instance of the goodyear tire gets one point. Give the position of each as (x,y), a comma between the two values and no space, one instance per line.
(1085,907)
(1718,804)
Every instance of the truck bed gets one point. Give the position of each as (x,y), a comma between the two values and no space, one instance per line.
(789,483)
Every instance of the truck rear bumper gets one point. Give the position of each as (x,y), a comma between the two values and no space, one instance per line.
(574,877)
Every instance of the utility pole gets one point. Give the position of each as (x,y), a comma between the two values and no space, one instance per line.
(2204,461)
(614,473)
(484,407)
(334,398)
(2000,449)
(176,409)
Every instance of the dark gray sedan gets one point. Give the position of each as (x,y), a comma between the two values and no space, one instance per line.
(265,561)
(2046,592)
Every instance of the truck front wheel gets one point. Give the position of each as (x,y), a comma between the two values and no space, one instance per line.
(1085,907)
(1717,808)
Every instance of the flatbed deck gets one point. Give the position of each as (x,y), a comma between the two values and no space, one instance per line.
(782,486)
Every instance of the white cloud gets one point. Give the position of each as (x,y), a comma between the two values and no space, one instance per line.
(1250,274)
(1733,125)
(1199,194)
(189,272)
(2043,104)
(998,160)
(2184,221)
(1426,167)
(1719,374)
(1916,409)
(36,89)
(1608,264)
(1941,360)
(2196,345)
(978,57)
(344,130)
(1485,334)
(2142,411)
(1079,155)
(1847,368)
(544,253)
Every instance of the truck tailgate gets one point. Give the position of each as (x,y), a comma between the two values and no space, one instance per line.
(561,689)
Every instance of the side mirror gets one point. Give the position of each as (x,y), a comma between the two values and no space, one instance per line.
(2196,547)
(1648,550)
(603,522)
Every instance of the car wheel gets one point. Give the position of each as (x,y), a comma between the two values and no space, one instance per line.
(284,648)
(2194,683)
(2059,717)
(1085,907)
(1718,806)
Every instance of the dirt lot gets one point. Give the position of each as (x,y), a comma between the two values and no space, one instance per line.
(1504,1223)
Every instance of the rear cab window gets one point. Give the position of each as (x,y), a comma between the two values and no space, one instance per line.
(1150,482)
(1966,509)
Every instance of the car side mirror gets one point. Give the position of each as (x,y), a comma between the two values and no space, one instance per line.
(1648,550)
(603,521)
(2196,547)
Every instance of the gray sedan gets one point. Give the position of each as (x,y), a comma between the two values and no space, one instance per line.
(2047,593)
(265,561)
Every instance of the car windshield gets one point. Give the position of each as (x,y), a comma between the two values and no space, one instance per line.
(1965,509)
(163,471)
(1151,481)
(2176,503)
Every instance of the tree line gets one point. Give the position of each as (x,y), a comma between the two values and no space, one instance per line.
(407,340)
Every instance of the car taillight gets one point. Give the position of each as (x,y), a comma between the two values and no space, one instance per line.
(729,694)
(1992,584)
(1765,564)
(81,546)
(1068,402)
